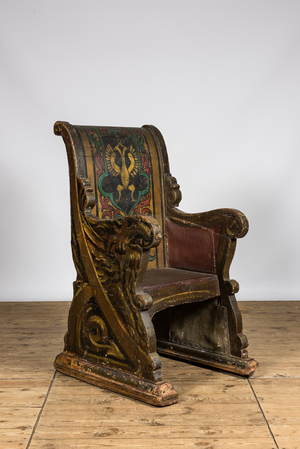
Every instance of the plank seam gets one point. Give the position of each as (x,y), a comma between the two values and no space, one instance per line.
(275,377)
(41,411)
(265,418)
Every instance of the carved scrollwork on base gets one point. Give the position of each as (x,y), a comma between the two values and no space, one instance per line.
(88,335)
(95,335)
(122,344)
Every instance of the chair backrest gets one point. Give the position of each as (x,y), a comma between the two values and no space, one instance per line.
(129,172)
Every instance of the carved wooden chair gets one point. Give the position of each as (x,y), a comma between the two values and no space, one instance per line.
(151,279)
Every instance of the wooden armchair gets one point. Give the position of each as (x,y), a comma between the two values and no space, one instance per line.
(151,279)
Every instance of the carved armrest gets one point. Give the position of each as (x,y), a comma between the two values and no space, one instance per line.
(206,241)
(227,222)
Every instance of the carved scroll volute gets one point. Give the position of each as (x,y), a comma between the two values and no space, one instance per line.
(235,223)
(173,193)
(86,195)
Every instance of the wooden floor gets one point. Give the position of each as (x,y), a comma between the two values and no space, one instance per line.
(41,409)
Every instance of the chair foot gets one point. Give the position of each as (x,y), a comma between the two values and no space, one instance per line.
(154,393)
(242,366)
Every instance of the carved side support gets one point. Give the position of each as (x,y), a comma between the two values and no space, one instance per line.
(110,340)
(228,287)
(228,224)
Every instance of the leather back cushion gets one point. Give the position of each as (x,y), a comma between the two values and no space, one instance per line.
(191,248)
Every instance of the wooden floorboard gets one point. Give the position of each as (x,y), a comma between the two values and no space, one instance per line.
(43,410)
(274,338)
(280,402)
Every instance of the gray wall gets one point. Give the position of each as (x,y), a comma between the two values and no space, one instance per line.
(219,78)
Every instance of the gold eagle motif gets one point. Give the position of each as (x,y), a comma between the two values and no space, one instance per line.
(126,173)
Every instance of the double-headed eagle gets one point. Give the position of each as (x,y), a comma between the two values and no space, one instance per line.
(128,168)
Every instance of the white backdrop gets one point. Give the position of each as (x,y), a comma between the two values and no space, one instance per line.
(219,78)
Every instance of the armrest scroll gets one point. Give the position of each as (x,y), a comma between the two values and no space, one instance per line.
(232,222)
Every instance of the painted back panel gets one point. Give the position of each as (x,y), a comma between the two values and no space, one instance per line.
(125,168)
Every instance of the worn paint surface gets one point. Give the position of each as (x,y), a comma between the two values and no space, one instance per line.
(149,277)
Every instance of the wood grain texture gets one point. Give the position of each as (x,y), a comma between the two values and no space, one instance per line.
(273,328)
(280,402)
(216,410)
(250,443)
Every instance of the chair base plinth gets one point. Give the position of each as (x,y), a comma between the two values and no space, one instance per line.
(154,393)
(244,367)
